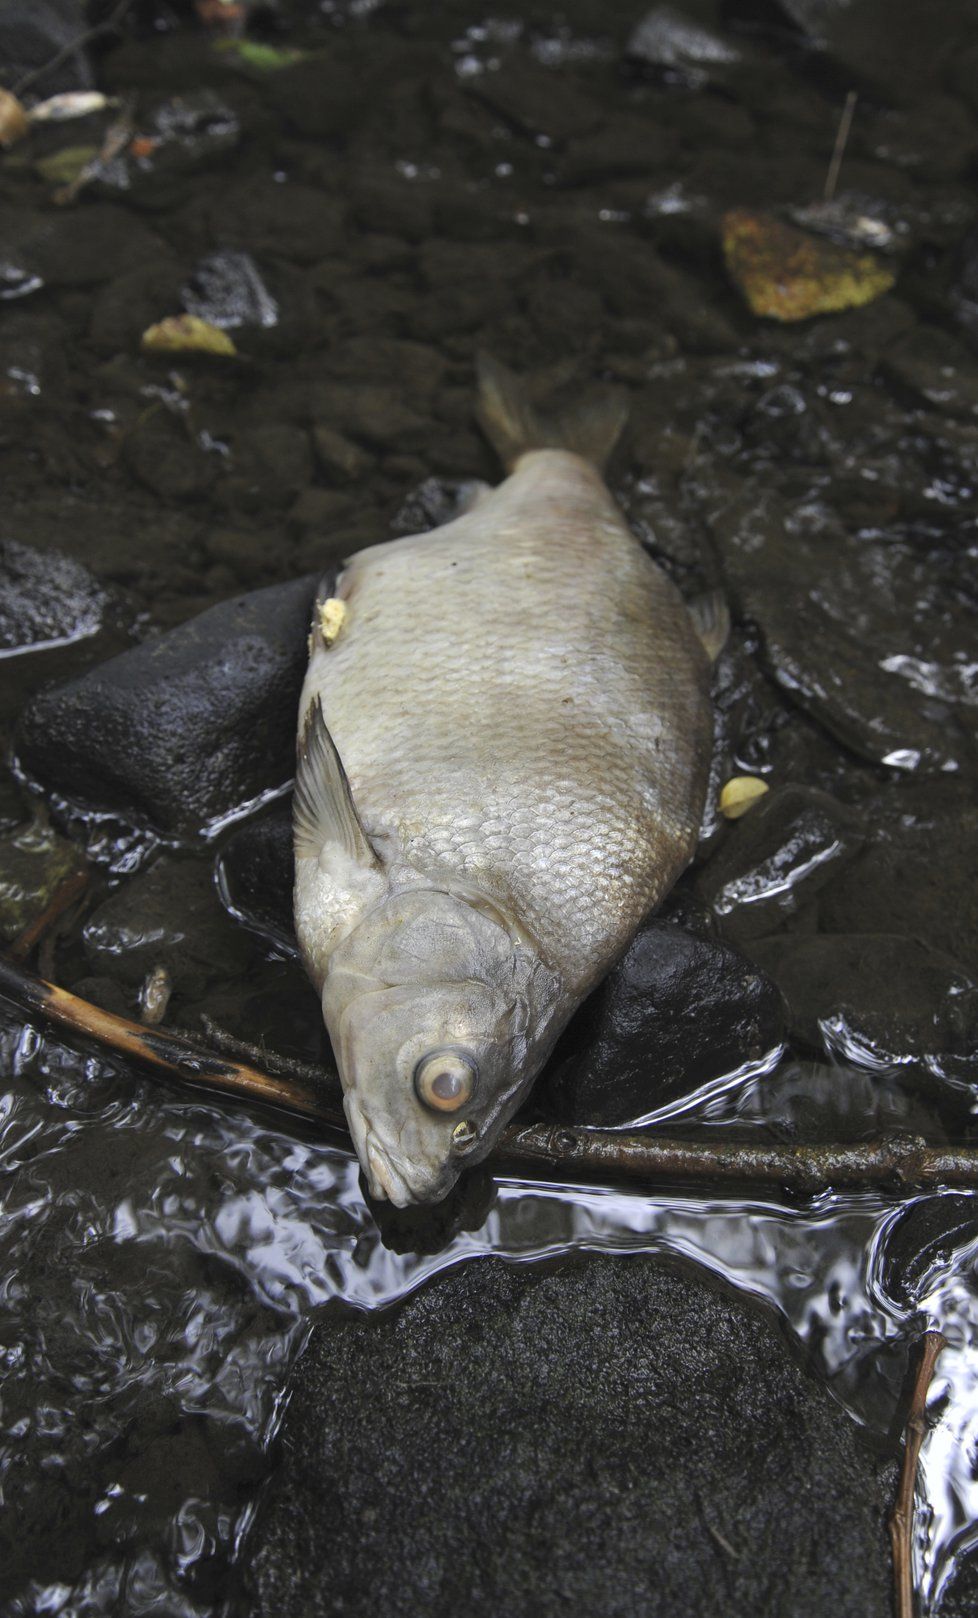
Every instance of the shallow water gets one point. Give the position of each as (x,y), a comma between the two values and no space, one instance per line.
(163,1262)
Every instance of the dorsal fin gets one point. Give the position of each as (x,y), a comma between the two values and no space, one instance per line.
(323,810)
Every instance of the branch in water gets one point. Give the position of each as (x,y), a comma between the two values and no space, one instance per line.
(807,1169)
(62,899)
(901,1522)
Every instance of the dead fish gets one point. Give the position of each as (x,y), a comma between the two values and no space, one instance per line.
(504,736)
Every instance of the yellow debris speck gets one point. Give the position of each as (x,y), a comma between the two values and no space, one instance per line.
(739,793)
(332,617)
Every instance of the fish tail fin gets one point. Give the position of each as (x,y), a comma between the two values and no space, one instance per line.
(514,424)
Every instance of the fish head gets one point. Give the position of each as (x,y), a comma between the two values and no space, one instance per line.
(440,1015)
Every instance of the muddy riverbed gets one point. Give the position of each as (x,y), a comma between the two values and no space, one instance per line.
(231,1385)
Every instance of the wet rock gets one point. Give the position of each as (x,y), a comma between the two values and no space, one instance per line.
(167,916)
(695,1430)
(867,634)
(433,503)
(681,48)
(46,599)
(537,101)
(677,1012)
(777,857)
(878,1001)
(123,309)
(935,370)
(923,1241)
(371,412)
(167,459)
(271,464)
(812,1102)
(52,245)
(184,728)
(34,861)
(914,875)
(176,138)
(278,220)
(226,290)
(256,875)
(337,456)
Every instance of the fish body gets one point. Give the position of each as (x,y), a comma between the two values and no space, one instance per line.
(505,733)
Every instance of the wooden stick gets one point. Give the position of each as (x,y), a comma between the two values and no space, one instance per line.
(899,1162)
(901,1522)
(838,150)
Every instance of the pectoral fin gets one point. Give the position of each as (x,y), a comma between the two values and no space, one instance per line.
(711,620)
(323,808)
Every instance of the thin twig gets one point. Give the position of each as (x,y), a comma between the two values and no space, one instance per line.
(838,150)
(901,1522)
(64,896)
(807,1169)
(72,46)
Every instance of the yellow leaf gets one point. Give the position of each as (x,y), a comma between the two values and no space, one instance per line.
(61,168)
(739,794)
(786,274)
(13,120)
(186,334)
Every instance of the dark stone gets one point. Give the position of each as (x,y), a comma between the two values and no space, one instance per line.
(256,874)
(266,218)
(78,247)
(680,48)
(226,289)
(675,1013)
(879,1001)
(191,131)
(538,101)
(915,876)
(165,457)
(33,33)
(609,1439)
(46,599)
(167,916)
(272,462)
(186,727)
(337,457)
(870,637)
(922,1242)
(433,503)
(808,1103)
(935,370)
(776,857)
(123,309)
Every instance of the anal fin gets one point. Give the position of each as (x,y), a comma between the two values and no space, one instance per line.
(711,620)
(323,808)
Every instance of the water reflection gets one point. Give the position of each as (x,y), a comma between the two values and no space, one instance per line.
(163,1262)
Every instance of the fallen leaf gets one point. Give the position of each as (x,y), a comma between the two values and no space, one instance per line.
(71,104)
(265,58)
(64,167)
(186,334)
(786,274)
(739,794)
(13,120)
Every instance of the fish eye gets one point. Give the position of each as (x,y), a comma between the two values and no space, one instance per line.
(444,1080)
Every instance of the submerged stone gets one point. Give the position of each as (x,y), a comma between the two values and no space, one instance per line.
(256,875)
(187,727)
(681,47)
(638,1440)
(226,289)
(677,1012)
(878,1001)
(777,857)
(34,861)
(167,916)
(868,633)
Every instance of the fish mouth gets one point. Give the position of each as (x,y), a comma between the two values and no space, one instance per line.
(388,1179)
